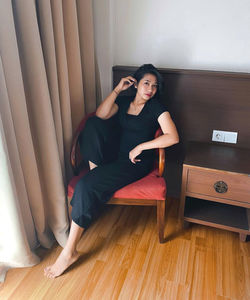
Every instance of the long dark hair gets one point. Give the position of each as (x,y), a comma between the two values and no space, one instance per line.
(150,69)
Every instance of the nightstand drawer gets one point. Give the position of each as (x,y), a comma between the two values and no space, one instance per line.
(218,184)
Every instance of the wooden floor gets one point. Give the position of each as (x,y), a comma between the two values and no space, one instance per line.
(122,259)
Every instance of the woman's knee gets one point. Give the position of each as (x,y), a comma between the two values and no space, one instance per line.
(91,136)
(97,141)
(94,122)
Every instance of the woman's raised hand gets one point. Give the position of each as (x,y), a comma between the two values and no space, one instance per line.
(124,84)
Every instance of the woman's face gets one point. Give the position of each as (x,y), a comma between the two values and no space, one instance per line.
(147,87)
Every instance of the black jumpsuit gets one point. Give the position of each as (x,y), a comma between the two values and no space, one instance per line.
(115,170)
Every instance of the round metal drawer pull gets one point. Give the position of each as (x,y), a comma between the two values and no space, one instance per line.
(220,187)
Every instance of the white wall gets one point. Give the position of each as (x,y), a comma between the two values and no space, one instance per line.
(193,34)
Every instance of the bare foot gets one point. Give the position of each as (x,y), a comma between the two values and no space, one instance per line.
(63,261)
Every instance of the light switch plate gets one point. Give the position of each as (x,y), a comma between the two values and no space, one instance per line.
(231,137)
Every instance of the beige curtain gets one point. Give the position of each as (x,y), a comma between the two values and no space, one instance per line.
(47,84)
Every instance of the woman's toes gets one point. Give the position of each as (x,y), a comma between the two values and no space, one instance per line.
(46,271)
(50,275)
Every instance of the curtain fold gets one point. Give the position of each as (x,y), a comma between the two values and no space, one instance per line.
(41,118)
(86,36)
(74,60)
(42,99)
(45,25)
(17,229)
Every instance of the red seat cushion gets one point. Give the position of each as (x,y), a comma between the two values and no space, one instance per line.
(149,187)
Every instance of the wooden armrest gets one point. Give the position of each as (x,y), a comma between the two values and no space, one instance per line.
(161,161)
(74,153)
(73,158)
(161,154)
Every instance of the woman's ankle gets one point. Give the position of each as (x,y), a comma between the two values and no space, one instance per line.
(69,252)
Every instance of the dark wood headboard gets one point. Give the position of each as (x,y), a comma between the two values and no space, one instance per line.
(200,101)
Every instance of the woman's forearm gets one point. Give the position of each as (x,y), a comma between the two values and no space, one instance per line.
(162,141)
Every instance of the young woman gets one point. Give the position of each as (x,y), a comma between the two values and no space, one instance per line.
(138,117)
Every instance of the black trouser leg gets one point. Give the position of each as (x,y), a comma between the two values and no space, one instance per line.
(99,141)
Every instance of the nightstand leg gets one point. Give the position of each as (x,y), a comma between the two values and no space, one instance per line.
(183,194)
(243,237)
(185,224)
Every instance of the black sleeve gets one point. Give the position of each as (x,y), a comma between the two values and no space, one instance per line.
(158,108)
(118,101)
(121,101)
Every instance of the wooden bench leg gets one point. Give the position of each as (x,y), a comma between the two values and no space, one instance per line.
(161,219)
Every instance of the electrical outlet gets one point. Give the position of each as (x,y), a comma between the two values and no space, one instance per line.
(224,136)
(218,136)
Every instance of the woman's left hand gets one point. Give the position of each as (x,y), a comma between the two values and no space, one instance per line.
(134,153)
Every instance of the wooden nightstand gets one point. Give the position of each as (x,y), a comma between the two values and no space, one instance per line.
(216,187)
